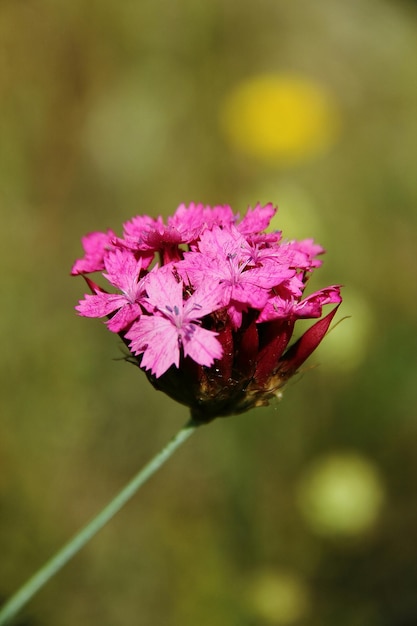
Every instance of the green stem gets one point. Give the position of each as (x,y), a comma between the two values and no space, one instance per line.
(57,562)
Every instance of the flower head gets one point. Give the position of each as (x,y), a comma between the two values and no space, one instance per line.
(211,323)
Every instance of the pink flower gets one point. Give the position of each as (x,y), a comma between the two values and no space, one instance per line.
(175,325)
(147,236)
(222,256)
(308,250)
(123,271)
(286,305)
(212,325)
(96,245)
(197,217)
(256,220)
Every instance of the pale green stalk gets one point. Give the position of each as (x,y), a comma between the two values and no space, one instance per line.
(57,562)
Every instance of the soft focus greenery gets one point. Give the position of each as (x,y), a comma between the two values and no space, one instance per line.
(302,513)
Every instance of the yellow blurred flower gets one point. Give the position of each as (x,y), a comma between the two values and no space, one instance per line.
(281,118)
(278,597)
(341,494)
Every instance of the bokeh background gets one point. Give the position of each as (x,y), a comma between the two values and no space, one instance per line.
(304,513)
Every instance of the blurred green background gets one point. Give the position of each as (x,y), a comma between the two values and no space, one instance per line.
(304,513)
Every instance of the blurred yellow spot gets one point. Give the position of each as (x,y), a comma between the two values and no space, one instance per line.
(280,118)
(341,494)
(278,598)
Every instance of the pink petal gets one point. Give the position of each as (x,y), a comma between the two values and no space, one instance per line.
(202,347)
(100,304)
(235,312)
(220,243)
(207,298)
(312,305)
(188,221)
(219,215)
(249,293)
(134,228)
(122,269)
(163,289)
(124,317)
(257,219)
(276,308)
(157,338)
(96,246)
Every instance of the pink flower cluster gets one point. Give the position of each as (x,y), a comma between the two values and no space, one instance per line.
(207,302)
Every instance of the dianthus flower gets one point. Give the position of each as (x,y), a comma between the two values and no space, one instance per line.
(206,302)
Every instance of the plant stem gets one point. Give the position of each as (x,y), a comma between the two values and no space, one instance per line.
(70,549)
